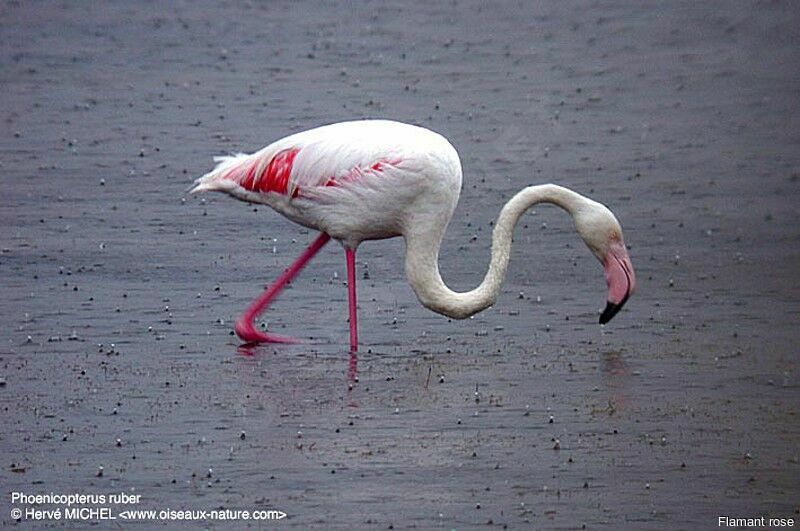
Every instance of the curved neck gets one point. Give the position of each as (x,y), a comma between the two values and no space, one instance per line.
(423,242)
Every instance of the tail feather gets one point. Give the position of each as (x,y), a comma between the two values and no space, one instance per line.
(214,179)
(266,171)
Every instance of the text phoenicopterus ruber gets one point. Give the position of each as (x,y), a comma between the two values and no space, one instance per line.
(374,179)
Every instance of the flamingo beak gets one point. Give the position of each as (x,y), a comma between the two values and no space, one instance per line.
(620,278)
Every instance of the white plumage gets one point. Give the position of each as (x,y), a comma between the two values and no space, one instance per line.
(378,167)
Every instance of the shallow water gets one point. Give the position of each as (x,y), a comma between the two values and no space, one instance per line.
(118,296)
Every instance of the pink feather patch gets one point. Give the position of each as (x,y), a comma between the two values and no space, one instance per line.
(276,177)
(355,173)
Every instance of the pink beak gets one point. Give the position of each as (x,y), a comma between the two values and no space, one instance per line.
(620,278)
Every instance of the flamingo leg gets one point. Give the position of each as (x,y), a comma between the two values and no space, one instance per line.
(350,257)
(244,325)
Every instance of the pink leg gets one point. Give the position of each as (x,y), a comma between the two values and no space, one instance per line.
(350,257)
(244,326)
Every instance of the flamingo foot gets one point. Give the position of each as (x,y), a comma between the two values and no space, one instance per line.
(247,332)
(244,325)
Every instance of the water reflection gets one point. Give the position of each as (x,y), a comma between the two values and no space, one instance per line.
(352,370)
(247,349)
(252,349)
(616,374)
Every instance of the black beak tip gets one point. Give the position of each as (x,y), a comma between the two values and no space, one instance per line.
(610,311)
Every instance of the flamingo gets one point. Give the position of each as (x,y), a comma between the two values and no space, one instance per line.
(374,179)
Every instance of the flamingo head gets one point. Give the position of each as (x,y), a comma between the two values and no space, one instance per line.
(602,233)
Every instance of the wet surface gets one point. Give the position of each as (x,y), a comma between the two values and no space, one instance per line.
(118,293)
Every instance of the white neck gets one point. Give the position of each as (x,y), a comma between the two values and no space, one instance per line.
(422,252)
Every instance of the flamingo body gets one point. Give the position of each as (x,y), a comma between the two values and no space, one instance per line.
(355,180)
(374,179)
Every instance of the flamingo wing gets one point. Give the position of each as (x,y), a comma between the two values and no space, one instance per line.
(326,156)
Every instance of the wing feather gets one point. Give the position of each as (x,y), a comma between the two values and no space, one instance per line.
(333,155)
